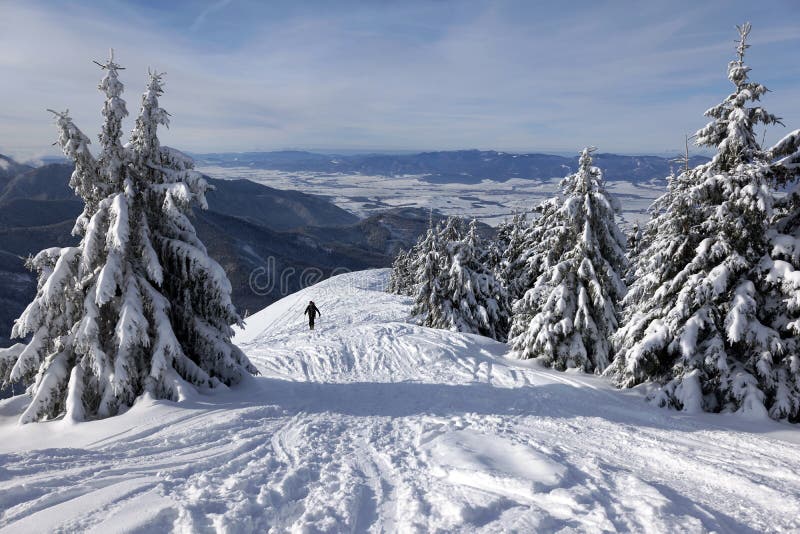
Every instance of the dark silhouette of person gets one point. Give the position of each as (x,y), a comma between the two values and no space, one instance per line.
(312,311)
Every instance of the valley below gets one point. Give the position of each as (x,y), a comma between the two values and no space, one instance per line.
(489,201)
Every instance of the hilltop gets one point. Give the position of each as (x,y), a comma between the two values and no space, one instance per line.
(371,423)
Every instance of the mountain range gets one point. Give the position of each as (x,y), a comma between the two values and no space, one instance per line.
(286,239)
(455,166)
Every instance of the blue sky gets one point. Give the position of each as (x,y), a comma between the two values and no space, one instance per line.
(396,75)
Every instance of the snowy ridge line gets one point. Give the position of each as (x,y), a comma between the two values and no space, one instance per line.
(373,424)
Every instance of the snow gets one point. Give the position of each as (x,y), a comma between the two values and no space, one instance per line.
(373,424)
(492,463)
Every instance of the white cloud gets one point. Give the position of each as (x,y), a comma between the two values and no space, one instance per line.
(200,20)
(405,76)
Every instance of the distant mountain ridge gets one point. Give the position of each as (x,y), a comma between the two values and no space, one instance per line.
(248,226)
(457,166)
(10,168)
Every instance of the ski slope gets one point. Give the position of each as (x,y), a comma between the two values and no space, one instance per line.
(372,424)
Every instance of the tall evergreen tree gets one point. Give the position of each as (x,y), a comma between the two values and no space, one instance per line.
(701,317)
(475,301)
(455,290)
(566,318)
(196,287)
(449,236)
(515,271)
(401,277)
(634,240)
(137,307)
(785,236)
(493,255)
(427,268)
(432,267)
(781,274)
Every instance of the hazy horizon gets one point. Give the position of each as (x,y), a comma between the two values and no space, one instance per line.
(694,151)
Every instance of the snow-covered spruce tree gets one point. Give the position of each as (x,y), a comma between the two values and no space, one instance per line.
(401,278)
(527,254)
(426,268)
(781,273)
(455,290)
(408,281)
(449,236)
(431,267)
(493,259)
(395,273)
(474,300)
(493,254)
(566,319)
(514,271)
(666,245)
(137,307)
(635,241)
(197,290)
(703,319)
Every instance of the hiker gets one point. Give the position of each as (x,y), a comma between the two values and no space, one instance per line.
(312,311)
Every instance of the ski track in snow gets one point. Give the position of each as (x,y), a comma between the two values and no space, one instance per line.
(372,424)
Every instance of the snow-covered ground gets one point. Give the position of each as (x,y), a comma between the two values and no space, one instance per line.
(371,424)
(489,201)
